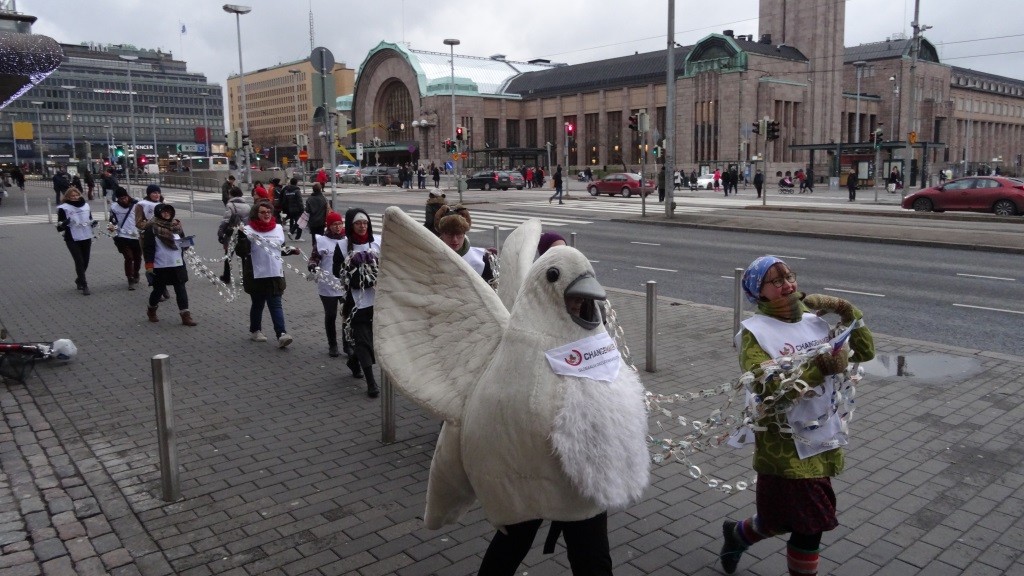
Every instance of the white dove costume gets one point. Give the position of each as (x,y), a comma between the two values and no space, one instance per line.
(527,442)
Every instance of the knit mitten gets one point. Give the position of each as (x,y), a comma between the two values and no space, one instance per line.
(823,304)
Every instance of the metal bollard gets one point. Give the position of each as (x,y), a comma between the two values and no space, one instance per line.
(497,239)
(24,195)
(191,195)
(652,326)
(737,301)
(572,239)
(387,409)
(49,211)
(167,440)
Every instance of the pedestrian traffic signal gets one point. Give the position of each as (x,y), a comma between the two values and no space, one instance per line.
(458,132)
(757,127)
(773,130)
(119,151)
(634,122)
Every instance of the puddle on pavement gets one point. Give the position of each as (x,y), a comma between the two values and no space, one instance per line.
(922,366)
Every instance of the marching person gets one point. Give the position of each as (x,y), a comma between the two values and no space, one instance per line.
(452,224)
(144,208)
(794,460)
(261,246)
(316,207)
(235,211)
(225,189)
(109,182)
(292,206)
(165,266)
(362,257)
(126,235)
(329,256)
(74,221)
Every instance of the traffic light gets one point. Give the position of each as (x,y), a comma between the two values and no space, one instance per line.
(773,130)
(643,122)
(634,122)
(458,132)
(657,150)
(143,160)
(757,127)
(569,128)
(119,152)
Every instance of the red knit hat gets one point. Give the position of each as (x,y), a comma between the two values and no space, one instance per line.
(333,217)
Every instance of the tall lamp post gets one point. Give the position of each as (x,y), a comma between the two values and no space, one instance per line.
(295,98)
(238,10)
(152,120)
(129,58)
(71,122)
(860,64)
(453,42)
(893,129)
(206,126)
(39,129)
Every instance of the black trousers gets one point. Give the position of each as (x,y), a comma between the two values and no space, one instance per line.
(362,337)
(586,543)
(331,317)
(160,286)
(80,250)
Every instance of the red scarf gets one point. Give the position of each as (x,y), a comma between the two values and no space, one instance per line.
(259,226)
(357,239)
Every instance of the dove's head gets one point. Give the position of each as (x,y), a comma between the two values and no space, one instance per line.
(563,277)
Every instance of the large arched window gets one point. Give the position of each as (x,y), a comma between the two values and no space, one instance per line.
(395,112)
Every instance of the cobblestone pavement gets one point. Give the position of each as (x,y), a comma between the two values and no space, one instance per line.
(283,470)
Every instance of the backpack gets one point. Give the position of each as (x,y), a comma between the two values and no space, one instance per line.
(227,227)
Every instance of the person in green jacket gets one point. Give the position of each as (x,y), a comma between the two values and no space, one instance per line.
(798,434)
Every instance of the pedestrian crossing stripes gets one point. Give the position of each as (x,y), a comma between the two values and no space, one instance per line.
(29,219)
(484,221)
(615,208)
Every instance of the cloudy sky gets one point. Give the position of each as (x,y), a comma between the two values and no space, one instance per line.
(988,38)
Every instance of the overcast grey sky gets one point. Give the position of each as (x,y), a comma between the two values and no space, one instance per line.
(984,34)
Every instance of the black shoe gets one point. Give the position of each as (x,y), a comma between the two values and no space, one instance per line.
(333,351)
(372,390)
(353,365)
(225,279)
(732,548)
(85,290)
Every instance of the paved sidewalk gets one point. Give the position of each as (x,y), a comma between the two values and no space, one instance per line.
(283,471)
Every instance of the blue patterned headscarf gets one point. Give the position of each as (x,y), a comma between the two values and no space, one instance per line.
(753,276)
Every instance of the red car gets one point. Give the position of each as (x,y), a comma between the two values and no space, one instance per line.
(996,194)
(623,183)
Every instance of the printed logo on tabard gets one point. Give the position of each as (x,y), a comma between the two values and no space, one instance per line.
(595,357)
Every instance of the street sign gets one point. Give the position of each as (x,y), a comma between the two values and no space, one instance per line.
(449,166)
(465,155)
(322,59)
(455,156)
(303,155)
(187,148)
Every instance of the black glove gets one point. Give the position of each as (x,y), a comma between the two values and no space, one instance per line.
(150,278)
(62,226)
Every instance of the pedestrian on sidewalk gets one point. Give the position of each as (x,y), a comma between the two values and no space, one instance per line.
(328,255)
(316,207)
(759,182)
(851,184)
(261,245)
(126,235)
(163,249)
(292,205)
(61,184)
(436,173)
(109,182)
(236,212)
(362,261)
(74,221)
(794,468)
(809,180)
(557,178)
(225,189)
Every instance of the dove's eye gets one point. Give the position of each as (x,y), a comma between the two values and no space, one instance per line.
(553,274)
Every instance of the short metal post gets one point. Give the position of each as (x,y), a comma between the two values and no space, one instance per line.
(652,326)
(191,195)
(167,440)
(572,239)
(24,194)
(387,409)
(106,208)
(737,301)
(497,238)
(49,211)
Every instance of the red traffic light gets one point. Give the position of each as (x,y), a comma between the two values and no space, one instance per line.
(569,127)
(458,132)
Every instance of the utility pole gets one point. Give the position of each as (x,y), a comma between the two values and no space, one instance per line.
(915,49)
(670,113)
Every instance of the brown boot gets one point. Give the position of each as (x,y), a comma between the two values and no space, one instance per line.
(151,313)
(186,318)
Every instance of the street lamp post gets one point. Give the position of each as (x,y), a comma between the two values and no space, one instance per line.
(453,42)
(238,10)
(71,122)
(206,126)
(860,64)
(893,129)
(152,119)
(129,58)
(39,129)
(295,98)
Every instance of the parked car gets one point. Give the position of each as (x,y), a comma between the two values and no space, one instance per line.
(354,176)
(380,175)
(515,180)
(996,194)
(488,180)
(624,184)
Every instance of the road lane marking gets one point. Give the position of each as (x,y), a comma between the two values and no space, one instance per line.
(658,269)
(646,243)
(987,277)
(989,309)
(855,292)
(789,257)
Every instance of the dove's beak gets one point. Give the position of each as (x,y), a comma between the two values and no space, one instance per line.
(581,301)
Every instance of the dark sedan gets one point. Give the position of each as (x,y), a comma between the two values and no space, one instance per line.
(996,194)
(624,184)
(489,180)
